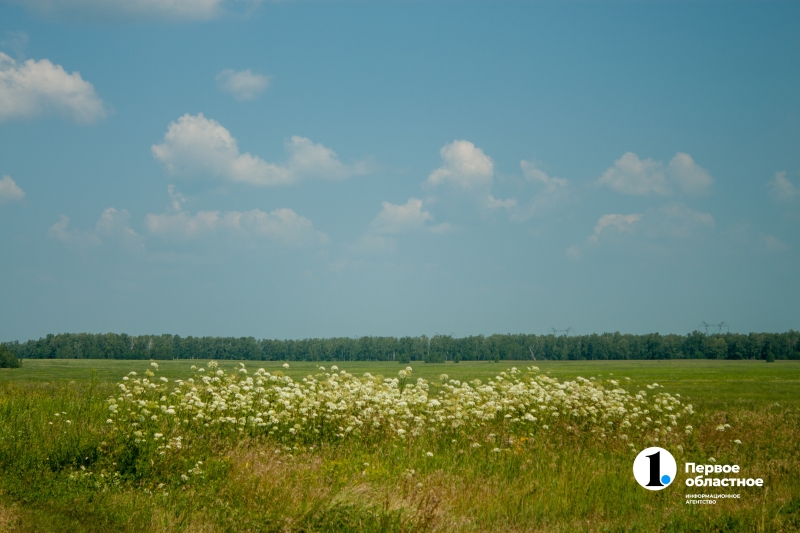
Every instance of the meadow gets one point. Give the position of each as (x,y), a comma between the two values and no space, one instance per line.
(71,458)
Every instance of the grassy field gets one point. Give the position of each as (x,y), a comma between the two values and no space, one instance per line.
(703,379)
(66,477)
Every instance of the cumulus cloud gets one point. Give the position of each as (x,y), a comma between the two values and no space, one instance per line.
(631,175)
(644,177)
(10,191)
(34,88)
(282,225)
(195,145)
(781,189)
(463,165)
(688,175)
(131,9)
(242,84)
(614,222)
(409,217)
(113,227)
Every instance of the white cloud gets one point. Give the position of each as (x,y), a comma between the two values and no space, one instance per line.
(34,88)
(745,237)
(10,191)
(552,191)
(200,146)
(690,177)
(622,223)
(670,221)
(395,220)
(283,225)
(406,218)
(126,9)
(612,222)
(242,84)
(248,228)
(643,177)
(464,165)
(677,220)
(631,175)
(495,203)
(82,239)
(772,243)
(307,159)
(113,227)
(114,223)
(177,198)
(574,252)
(781,189)
(536,175)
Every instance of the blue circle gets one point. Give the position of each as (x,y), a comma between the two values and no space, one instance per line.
(665,479)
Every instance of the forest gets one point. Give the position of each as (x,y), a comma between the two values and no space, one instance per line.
(434,349)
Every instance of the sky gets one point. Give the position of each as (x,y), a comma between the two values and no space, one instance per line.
(347,168)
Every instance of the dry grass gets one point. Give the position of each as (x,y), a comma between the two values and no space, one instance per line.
(313,484)
(9,518)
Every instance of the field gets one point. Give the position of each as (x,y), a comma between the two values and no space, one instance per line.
(488,476)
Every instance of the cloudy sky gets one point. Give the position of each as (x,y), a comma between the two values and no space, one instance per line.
(342,168)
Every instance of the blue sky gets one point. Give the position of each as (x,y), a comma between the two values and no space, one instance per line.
(300,169)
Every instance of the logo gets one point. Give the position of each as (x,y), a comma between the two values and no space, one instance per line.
(654,468)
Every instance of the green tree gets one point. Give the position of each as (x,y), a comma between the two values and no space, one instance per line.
(716,348)
(8,359)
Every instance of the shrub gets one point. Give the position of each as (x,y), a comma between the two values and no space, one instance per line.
(8,359)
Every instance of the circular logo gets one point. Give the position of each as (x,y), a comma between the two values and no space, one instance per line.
(654,468)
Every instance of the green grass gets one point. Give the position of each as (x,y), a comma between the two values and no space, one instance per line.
(561,483)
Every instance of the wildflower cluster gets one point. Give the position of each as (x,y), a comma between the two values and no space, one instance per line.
(333,406)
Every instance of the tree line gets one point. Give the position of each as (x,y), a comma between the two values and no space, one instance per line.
(434,349)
